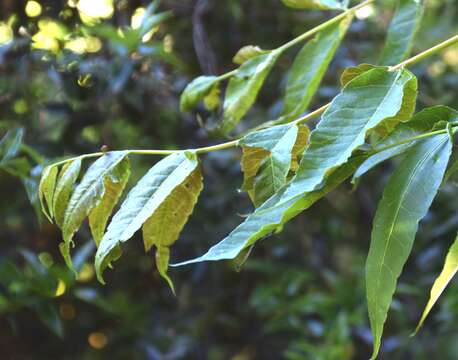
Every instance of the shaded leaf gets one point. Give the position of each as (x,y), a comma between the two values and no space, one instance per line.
(244,86)
(353,71)
(163,228)
(317,4)
(114,185)
(271,216)
(246,53)
(10,144)
(406,200)
(448,272)
(310,66)
(64,187)
(141,203)
(401,33)
(86,197)
(196,91)
(46,190)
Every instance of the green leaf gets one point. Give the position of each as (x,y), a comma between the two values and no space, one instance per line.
(64,188)
(266,160)
(114,184)
(448,272)
(364,103)
(10,144)
(141,203)
(244,86)
(163,228)
(408,101)
(310,66)
(423,121)
(196,91)
(46,190)
(406,200)
(271,216)
(401,33)
(87,196)
(317,4)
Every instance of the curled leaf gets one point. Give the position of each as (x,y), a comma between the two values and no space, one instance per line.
(246,53)
(196,91)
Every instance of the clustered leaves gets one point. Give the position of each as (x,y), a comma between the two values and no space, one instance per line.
(286,167)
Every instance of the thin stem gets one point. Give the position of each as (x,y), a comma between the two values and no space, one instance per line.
(226,145)
(307,34)
(414,138)
(427,53)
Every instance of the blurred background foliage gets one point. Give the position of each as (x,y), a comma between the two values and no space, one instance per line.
(76,75)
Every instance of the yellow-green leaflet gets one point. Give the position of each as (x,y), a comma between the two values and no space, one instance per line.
(142,202)
(244,86)
(449,270)
(46,190)
(317,4)
(114,185)
(86,196)
(406,200)
(163,228)
(64,188)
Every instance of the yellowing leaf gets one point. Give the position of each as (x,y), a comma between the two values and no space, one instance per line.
(448,272)
(141,203)
(46,190)
(64,188)
(317,4)
(196,91)
(163,228)
(246,53)
(114,185)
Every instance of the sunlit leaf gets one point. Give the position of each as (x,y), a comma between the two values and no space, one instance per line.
(310,66)
(448,272)
(406,200)
(46,190)
(401,33)
(115,182)
(64,188)
(317,4)
(142,202)
(163,228)
(244,87)
(86,197)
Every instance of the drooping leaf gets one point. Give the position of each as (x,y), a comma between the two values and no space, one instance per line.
(212,99)
(244,86)
(364,103)
(86,197)
(317,4)
(64,188)
(141,203)
(448,272)
(163,228)
(46,190)
(196,91)
(246,53)
(114,185)
(310,66)
(406,200)
(423,121)
(271,216)
(401,33)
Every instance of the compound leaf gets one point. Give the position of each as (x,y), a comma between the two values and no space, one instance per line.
(142,202)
